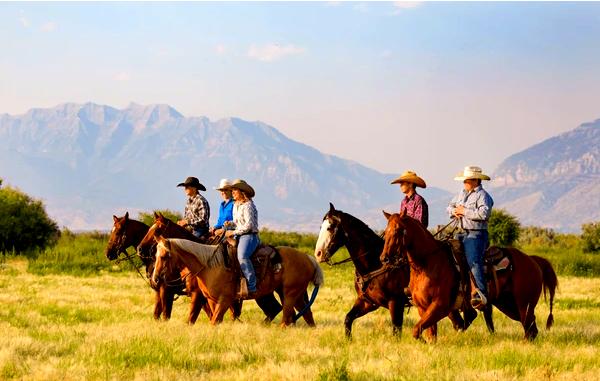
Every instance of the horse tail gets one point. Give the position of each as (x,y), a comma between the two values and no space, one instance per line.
(317,281)
(318,277)
(549,282)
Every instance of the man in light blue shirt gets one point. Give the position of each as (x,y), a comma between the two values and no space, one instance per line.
(473,207)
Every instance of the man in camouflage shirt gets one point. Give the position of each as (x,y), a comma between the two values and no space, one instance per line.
(197,210)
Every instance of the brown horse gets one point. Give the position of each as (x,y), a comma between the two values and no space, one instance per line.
(127,232)
(220,283)
(168,229)
(434,281)
(377,285)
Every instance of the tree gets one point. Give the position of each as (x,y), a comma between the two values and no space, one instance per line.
(591,237)
(148,218)
(503,228)
(24,224)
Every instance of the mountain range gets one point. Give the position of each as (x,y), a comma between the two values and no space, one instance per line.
(89,161)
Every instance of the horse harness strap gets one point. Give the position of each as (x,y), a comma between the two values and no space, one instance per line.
(363,280)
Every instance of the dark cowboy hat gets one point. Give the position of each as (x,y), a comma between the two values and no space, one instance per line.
(192,182)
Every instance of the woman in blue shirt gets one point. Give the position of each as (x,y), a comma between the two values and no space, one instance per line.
(226,207)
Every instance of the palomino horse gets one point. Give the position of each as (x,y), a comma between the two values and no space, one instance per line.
(435,282)
(168,229)
(220,283)
(376,285)
(126,233)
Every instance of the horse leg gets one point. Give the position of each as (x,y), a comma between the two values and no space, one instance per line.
(432,332)
(470,315)
(270,306)
(429,317)
(457,321)
(198,301)
(236,309)
(308,316)
(528,320)
(360,308)
(168,303)
(289,301)
(219,312)
(158,306)
(396,308)
(487,315)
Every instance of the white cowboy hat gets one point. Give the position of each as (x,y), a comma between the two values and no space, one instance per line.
(243,186)
(471,172)
(410,177)
(224,184)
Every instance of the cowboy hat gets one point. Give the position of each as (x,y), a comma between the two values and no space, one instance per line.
(471,172)
(410,177)
(192,182)
(224,184)
(243,186)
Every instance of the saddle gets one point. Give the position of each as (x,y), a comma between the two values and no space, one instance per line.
(266,261)
(496,262)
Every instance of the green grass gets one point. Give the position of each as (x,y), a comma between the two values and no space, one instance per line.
(57,327)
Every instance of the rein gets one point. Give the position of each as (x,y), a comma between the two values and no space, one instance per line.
(129,258)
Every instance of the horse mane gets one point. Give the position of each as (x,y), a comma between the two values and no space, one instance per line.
(362,227)
(136,222)
(207,255)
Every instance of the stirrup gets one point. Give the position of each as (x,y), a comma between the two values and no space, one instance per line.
(478,300)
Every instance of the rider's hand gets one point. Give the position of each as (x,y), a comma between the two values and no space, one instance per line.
(459,211)
(218,231)
(182,223)
(229,233)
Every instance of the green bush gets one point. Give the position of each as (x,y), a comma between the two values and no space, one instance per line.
(591,237)
(24,224)
(148,218)
(503,228)
(533,235)
(304,241)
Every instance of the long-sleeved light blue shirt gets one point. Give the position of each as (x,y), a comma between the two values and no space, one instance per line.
(478,208)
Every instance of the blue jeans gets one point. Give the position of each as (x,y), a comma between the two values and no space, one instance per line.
(247,244)
(198,232)
(475,243)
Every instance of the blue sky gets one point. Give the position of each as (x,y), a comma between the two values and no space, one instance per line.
(428,86)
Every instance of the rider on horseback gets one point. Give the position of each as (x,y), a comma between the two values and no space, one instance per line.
(245,222)
(197,210)
(413,203)
(473,207)
(226,207)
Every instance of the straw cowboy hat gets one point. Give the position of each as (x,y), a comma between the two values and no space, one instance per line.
(243,186)
(192,182)
(224,184)
(471,172)
(410,177)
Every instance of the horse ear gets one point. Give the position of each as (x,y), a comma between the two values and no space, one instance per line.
(387,215)
(156,215)
(115,218)
(331,207)
(126,216)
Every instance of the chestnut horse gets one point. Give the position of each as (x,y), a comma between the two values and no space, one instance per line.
(377,285)
(220,284)
(168,229)
(434,281)
(127,232)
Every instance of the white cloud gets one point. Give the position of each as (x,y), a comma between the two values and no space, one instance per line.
(220,49)
(49,26)
(272,52)
(122,77)
(24,21)
(401,5)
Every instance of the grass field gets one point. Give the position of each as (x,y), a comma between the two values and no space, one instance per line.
(93,321)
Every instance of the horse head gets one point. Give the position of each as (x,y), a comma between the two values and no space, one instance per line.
(148,243)
(331,237)
(394,236)
(119,239)
(162,264)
